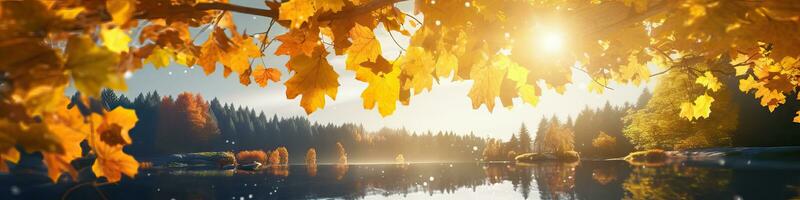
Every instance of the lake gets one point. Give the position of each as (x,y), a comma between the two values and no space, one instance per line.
(584,180)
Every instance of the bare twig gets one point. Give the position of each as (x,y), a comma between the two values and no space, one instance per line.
(593,79)
(395,40)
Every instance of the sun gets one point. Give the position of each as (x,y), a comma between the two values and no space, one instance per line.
(551,41)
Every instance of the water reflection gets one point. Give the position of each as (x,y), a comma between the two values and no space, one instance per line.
(585,180)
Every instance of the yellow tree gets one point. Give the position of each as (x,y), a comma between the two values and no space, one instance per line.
(311,157)
(655,125)
(341,153)
(283,155)
(508,49)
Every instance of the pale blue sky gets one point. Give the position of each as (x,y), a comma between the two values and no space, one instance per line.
(447,107)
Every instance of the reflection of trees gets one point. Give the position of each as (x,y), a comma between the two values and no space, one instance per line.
(555,180)
(341,170)
(279,170)
(604,176)
(676,182)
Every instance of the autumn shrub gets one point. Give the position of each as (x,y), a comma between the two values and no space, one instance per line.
(283,155)
(342,154)
(252,156)
(311,157)
(145,165)
(399,159)
(274,158)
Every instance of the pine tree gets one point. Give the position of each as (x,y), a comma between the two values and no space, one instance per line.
(524,139)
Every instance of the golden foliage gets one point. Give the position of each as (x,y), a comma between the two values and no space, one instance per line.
(247,157)
(311,157)
(45,45)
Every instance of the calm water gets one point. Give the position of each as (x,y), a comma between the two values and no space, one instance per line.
(587,180)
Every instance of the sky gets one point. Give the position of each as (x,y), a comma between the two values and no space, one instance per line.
(445,108)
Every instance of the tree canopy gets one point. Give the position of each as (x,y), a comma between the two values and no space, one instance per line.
(507,48)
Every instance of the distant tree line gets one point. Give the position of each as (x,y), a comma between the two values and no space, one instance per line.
(188,123)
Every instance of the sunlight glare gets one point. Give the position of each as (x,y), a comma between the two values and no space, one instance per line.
(551,41)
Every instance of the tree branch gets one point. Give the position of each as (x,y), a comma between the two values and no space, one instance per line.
(185,8)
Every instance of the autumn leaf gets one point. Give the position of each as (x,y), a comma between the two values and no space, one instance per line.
(244,77)
(237,57)
(488,78)
(116,125)
(121,10)
(113,163)
(297,11)
(115,39)
(108,141)
(329,5)
(262,75)
(314,78)
(419,65)
(709,81)
(634,71)
(687,110)
(67,126)
(748,84)
(296,42)
(446,64)
(159,57)
(365,47)
(92,67)
(741,70)
(383,89)
(529,95)
(702,106)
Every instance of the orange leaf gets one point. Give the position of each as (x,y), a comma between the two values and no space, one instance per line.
(262,75)
(314,78)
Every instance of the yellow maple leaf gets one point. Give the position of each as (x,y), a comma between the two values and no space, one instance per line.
(329,5)
(419,65)
(748,84)
(446,63)
(107,143)
(115,39)
(634,71)
(121,10)
(298,41)
(365,47)
(313,78)
(709,81)
(702,106)
(487,80)
(296,11)
(262,75)
(383,89)
(113,131)
(113,163)
(237,58)
(687,110)
(159,57)
(66,126)
(92,67)
(742,70)
(528,94)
